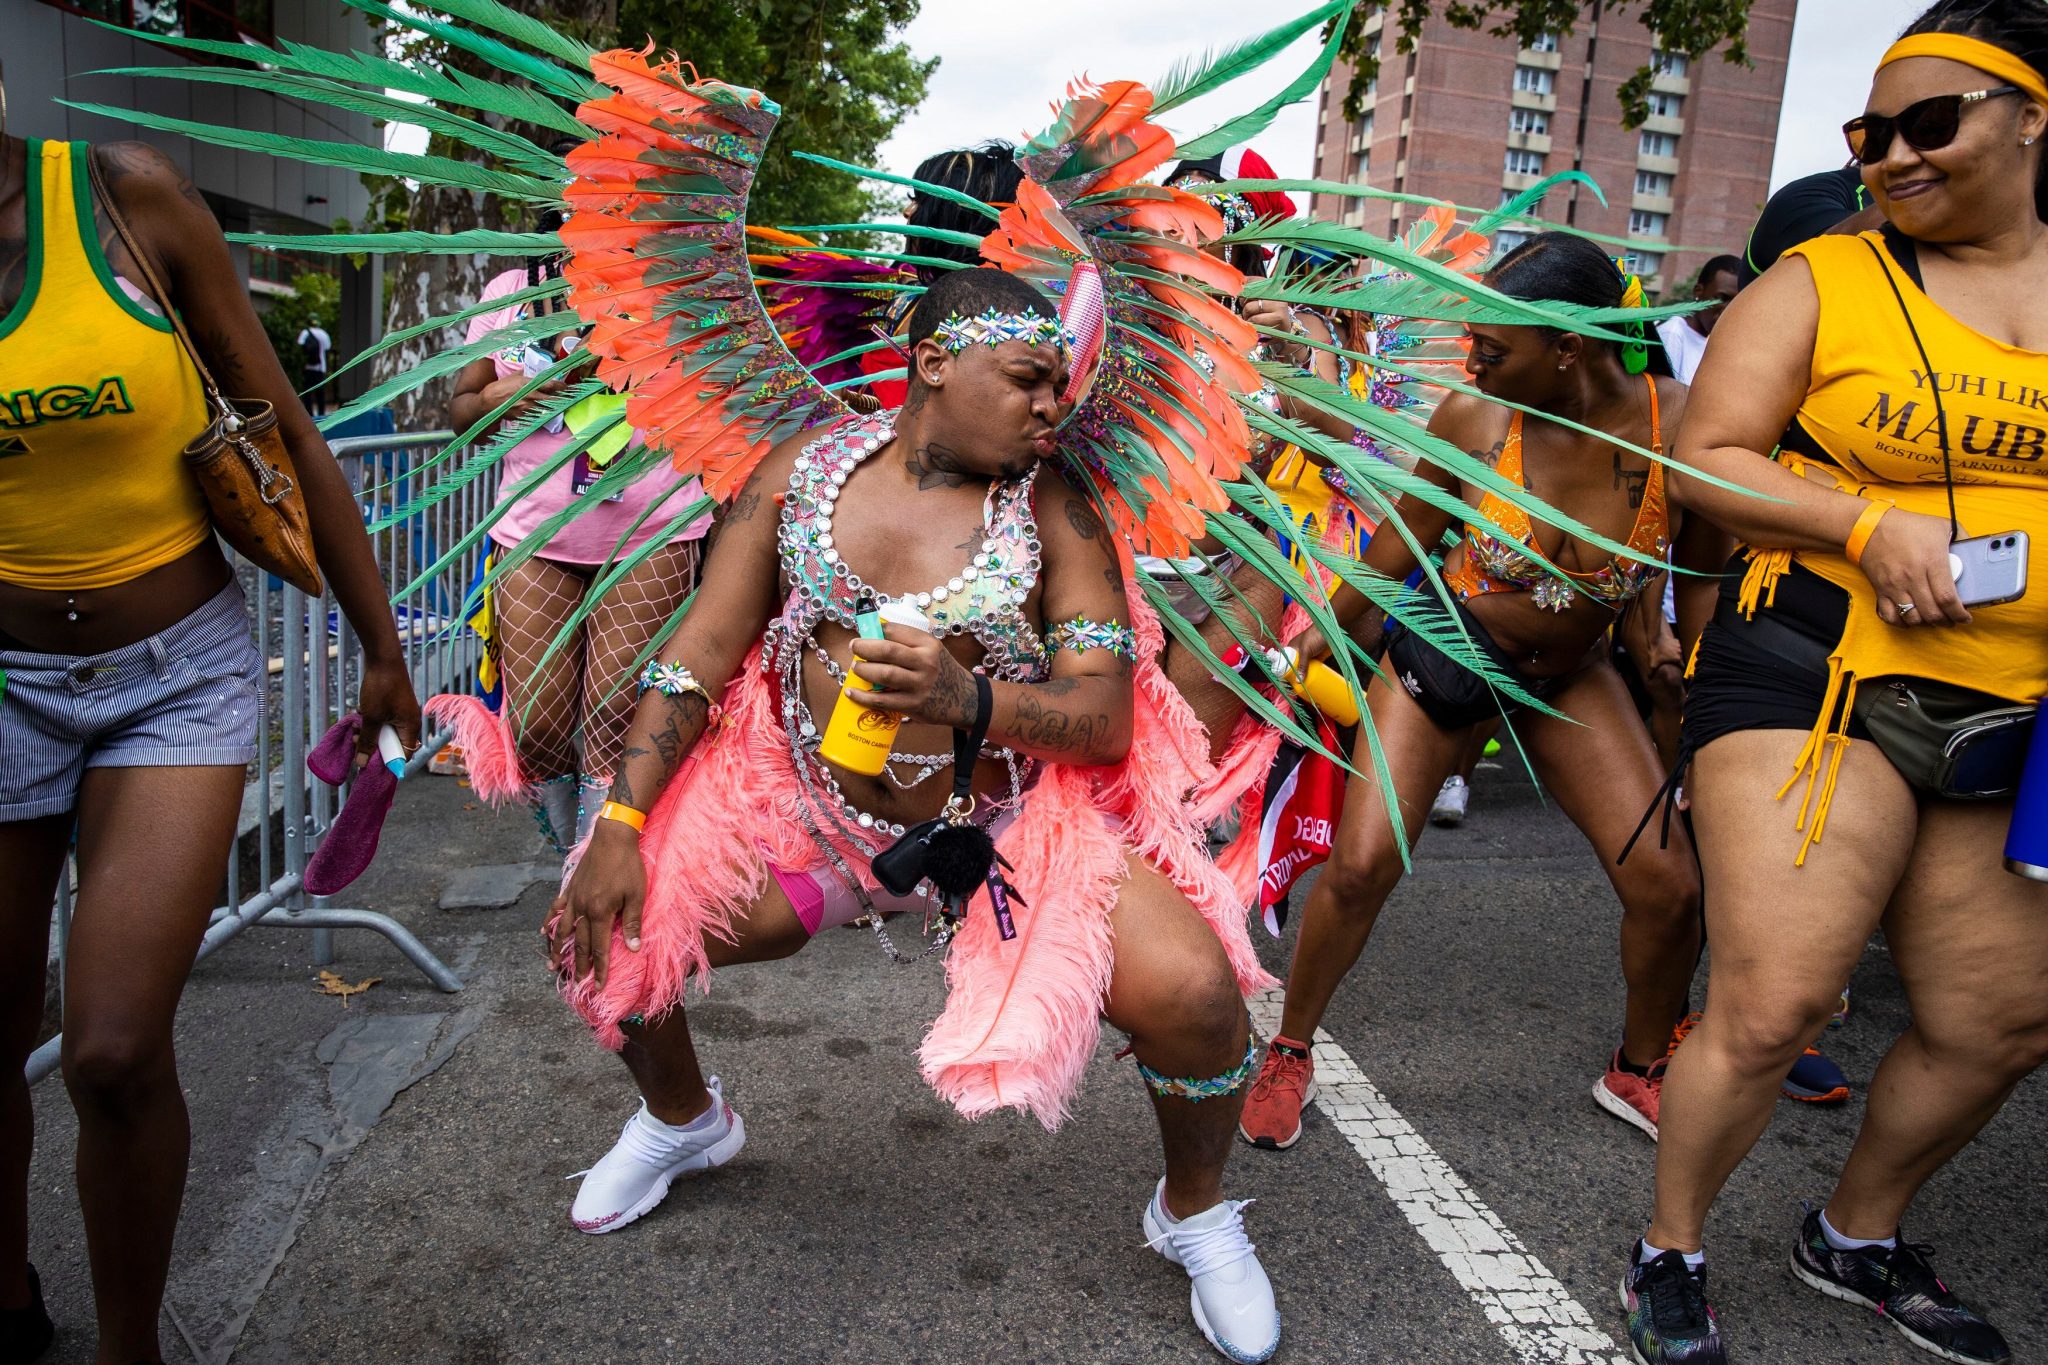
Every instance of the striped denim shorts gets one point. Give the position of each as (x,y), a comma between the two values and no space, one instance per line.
(188,696)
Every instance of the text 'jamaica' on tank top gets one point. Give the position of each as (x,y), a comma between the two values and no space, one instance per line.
(97,403)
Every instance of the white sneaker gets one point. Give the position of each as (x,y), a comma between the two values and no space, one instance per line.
(634,1175)
(1452,801)
(1232,1298)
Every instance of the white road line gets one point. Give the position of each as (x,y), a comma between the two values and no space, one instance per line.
(1540,1320)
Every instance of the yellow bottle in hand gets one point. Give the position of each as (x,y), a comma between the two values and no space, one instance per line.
(859,738)
(1321,685)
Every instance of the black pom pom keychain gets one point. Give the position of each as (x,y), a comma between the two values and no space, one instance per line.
(950,851)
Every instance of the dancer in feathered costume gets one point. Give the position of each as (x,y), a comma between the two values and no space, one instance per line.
(990,524)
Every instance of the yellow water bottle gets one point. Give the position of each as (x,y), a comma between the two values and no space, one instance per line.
(859,738)
(1321,685)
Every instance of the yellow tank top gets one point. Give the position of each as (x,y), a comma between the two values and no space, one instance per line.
(97,403)
(1870,407)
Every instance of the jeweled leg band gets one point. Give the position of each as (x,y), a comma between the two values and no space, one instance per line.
(1188,1088)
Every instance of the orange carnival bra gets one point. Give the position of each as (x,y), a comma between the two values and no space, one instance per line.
(1493,565)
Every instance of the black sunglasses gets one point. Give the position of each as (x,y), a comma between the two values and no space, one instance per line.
(1925,125)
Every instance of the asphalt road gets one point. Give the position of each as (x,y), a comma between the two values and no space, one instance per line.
(383,1180)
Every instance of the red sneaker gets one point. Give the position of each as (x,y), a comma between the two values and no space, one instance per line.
(1629,1097)
(1272,1111)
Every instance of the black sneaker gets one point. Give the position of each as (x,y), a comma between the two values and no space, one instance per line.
(1899,1284)
(1669,1322)
(25,1333)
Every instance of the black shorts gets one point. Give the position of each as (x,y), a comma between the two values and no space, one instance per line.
(1451,695)
(1768,671)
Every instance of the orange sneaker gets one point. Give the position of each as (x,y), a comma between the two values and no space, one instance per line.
(1285,1084)
(1629,1097)
(1685,1026)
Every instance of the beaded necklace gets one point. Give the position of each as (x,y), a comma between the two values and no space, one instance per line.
(984,600)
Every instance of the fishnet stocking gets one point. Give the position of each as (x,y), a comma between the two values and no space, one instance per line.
(549,709)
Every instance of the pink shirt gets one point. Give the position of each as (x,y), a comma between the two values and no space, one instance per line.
(593,536)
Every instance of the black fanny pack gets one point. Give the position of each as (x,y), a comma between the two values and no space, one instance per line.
(1953,742)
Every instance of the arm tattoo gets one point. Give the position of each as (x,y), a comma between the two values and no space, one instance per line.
(680,725)
(935,466)
(953,699)
(742,509)
(1490,458)
(1052,730)
(222,358)
(1083,519)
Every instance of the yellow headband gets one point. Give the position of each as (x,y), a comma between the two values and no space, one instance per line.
(1986,57)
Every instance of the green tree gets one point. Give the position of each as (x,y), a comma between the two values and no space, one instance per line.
(315,300)
(835,66)
(1694,27)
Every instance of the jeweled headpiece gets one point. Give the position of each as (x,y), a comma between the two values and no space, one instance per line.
(956,333)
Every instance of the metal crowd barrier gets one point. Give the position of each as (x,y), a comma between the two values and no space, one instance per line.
(315,662)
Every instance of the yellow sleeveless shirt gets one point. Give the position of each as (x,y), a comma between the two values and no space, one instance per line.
(97,403)
(1870,406)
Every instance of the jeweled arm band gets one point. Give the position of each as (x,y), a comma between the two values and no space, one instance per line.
(674,680)
(1082,635)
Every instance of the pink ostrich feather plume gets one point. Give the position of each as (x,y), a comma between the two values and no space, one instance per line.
(489,755)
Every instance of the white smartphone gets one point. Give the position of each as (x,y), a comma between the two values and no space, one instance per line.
(1990,570)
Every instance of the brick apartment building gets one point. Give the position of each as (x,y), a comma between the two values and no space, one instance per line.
(1470,118)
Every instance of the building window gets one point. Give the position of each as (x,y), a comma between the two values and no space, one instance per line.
(1364,133)
(1533,79)
(1642,223)
(1544,43)
(1529,121)
(1364,171)
(1658,144)
(1644,262)
(222,20)
(1670,63)
(1656,184)
(1664,104)
(1504,242)
(1525,163)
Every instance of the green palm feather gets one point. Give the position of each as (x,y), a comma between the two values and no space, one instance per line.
(445,86)
(467,243)
(1244,127)
(575,86)
(348,156)
(520,28)
(318,90)
(1193,77)
(532,294)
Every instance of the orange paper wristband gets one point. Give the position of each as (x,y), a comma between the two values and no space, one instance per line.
(1866,527)
(625,815)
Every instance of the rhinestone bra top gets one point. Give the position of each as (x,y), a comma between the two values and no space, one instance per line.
(986,599)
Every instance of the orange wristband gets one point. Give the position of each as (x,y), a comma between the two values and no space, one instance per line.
(625,815)
(1866,527)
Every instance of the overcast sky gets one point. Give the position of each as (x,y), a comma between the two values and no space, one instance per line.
(997,79)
